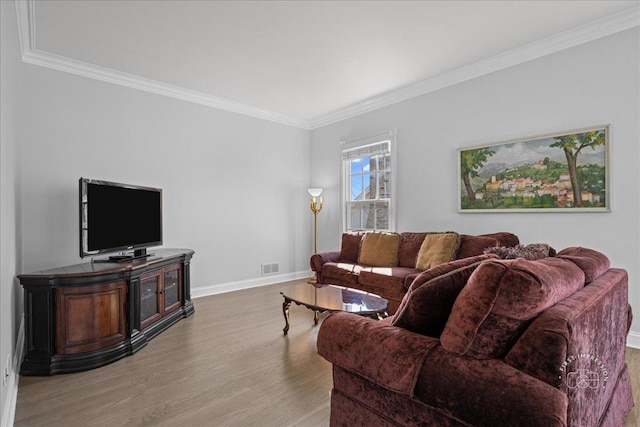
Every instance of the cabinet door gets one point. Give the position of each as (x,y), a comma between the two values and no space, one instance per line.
(150,307)
(90,318)
(172,290)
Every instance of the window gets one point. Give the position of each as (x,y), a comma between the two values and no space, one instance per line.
(368,183)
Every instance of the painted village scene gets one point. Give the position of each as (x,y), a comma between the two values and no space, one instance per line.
(566,171)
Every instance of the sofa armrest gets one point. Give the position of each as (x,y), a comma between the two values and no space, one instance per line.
(389,356)
(317,260)
(592,321)
(488,392)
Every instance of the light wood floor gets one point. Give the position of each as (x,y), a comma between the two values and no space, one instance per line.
(227,365)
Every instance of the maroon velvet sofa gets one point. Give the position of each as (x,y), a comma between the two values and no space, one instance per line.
(489,342)
(342,268)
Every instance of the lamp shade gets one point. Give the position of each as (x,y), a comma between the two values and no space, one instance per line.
(315,192)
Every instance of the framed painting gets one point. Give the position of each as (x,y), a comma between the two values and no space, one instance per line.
(560,172)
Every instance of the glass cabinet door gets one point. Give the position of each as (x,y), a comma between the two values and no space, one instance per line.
(149,298)
(171,289)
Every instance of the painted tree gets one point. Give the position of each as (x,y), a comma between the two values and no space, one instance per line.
(572,146)
(470,162)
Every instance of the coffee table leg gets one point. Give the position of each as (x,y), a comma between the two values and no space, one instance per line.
(285,312)
(316,316)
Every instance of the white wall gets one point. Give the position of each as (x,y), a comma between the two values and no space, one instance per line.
(234,187)
(592,84)
(10,292)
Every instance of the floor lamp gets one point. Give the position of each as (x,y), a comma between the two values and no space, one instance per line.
(316,207)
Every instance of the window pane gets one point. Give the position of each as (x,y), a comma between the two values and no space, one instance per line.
(373,164)
(382,215)
(385,186)
(368,216)
(384,163)
(356,187)
(354,216)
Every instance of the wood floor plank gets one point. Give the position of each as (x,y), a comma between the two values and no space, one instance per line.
(227,365)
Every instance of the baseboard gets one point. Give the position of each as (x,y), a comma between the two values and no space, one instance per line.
(633,339)
(11,397)
(250,283)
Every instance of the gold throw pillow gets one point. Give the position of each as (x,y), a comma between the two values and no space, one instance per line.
(379,249)
(436,249)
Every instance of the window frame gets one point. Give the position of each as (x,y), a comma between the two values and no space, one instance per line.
(345,200)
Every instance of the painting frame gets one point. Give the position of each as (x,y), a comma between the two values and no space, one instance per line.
(519,175)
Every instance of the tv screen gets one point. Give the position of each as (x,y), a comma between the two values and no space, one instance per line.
(118,217)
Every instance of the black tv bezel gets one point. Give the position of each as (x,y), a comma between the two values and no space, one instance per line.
(82,196)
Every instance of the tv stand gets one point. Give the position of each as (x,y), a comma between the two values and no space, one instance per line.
(88,315)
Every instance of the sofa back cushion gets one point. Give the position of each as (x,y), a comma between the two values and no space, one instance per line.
(436,249)
(409,247)
(475,245)
(501,298)
(504,238)
(379,249)
(426,306)
(592,263)
(350,247)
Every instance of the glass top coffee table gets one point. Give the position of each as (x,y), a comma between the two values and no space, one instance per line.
(321,298)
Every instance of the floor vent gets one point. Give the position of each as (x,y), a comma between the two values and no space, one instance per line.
(270,269)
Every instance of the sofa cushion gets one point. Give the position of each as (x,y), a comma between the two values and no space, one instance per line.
(474,245)
(381,276)
(379,249)
(350,247)
(504,238)
(388,287)
(593,263)
(409,247)
(341,273)
(426,307)
(501,298)
(437,248)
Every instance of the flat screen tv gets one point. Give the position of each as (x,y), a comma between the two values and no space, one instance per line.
(118,217)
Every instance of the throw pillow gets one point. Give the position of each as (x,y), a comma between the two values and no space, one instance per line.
(379,249)
(437,248)
(426,307)
(409,247)
(350,247)
(499,301)
(530,252)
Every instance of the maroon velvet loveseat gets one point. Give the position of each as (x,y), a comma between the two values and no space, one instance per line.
(489,342)
(342,267)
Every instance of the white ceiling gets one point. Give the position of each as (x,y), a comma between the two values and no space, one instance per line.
(300,59)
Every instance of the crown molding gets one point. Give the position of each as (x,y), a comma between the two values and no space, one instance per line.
(31,55)
(609,25)
(612,24)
